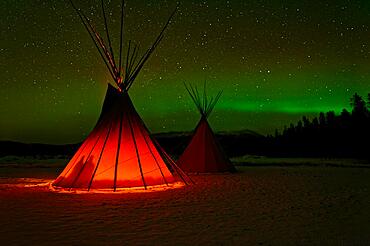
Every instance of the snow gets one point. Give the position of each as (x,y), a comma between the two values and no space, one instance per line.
(257,205)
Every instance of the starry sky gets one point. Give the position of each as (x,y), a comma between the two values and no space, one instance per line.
(274,60)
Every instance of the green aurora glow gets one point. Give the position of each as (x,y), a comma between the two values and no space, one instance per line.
(274,62)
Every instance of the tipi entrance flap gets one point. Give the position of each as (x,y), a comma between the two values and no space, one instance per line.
(83,157)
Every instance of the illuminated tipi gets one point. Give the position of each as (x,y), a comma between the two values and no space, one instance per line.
(204,153)
(119,153)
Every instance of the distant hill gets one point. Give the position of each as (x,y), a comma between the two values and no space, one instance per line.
(35,149)
(235,144)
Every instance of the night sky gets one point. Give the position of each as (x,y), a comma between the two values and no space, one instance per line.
(274,60)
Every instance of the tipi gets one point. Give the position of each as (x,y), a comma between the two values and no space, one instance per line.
(119,153)
(204,153)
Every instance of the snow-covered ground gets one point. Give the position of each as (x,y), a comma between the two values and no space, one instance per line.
(256,206)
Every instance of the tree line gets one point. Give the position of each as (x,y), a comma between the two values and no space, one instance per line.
(329,134)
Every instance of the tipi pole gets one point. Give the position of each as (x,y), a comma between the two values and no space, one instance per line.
(147,54)
(93,39)
(137,151)
(121,38)
(100,156)
(156,161)
(107,32)
(172,163)
(164,155)
(117,155)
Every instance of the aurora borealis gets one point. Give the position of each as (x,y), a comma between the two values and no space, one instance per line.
(274,60)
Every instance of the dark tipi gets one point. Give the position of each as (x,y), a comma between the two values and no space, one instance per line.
(119,153)
(204,153)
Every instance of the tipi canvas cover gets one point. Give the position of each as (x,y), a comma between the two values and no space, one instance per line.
(204,153)
(119,153)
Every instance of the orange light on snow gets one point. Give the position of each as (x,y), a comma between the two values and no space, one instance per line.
(154,188)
